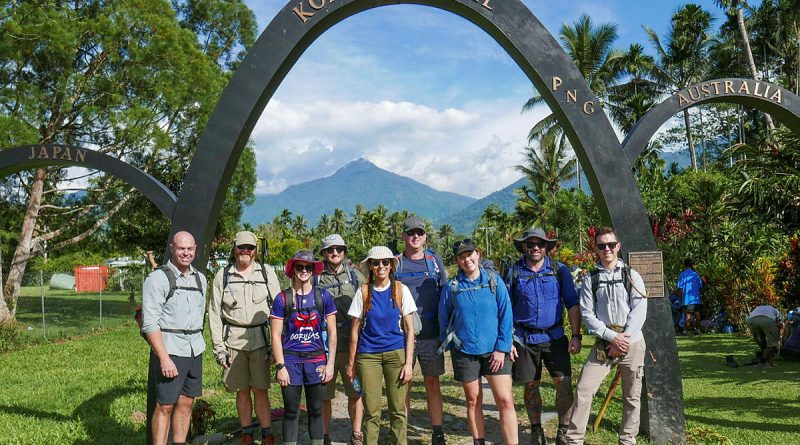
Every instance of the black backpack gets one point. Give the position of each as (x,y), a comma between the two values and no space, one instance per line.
(173,286)
(625,278)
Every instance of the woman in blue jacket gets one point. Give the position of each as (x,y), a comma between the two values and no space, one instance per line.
(475,324)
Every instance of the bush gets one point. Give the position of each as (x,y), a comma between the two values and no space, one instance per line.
(9,337)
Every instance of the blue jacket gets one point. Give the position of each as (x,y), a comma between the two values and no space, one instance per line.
(481,320)
(538,303)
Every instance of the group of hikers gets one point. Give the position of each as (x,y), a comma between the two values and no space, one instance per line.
(371,323)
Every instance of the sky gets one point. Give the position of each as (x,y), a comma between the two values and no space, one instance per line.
(419,92)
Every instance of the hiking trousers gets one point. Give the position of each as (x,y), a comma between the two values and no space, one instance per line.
(631,369)
(374,370)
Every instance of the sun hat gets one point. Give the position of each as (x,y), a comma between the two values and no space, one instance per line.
(413,222)
(245,237)
(332,240)
(305,256)
(534,233)
(466,245)
(378,253)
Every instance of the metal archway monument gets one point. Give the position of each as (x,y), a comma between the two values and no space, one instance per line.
(511,24)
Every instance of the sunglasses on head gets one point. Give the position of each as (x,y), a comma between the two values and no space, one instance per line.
(417,232)
(611,246)
(246,247)
(384,262)
(537,244)
(304,267)
(334,249)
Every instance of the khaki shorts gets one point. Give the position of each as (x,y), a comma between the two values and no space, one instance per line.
(249,369)
(340,368)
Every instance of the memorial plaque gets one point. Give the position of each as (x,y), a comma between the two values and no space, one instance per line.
(650,266)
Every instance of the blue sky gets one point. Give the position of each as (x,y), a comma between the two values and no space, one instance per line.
(419,92)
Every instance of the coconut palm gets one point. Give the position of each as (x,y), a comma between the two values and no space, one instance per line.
(681,58)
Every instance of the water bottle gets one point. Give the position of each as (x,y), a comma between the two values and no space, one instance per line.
(357,385)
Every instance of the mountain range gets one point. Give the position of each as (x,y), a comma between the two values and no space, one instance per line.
(362,182)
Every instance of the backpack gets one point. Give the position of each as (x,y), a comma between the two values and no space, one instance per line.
(290,310)
(455,290)
(350,271)
(431,264)
(397,299)
(514,276)
(625,278)
(173,286)
(226,281)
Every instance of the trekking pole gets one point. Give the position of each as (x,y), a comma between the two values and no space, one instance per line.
(607,400)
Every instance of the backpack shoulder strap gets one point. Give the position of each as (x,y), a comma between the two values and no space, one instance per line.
(454,286)
(397,295)
(365,301)
(595,277)
(315,281)
(318,303)
(226,275)
(556,266)
(171,279)
(492,281)
(352,273)
(266,283)
(288,310)
(399,263)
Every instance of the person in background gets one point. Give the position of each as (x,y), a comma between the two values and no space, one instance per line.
(765,323)
(300,314)
(688,290)
(476,325)
(382,344)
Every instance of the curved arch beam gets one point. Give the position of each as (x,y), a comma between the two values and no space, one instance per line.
(767,97)
(26,157)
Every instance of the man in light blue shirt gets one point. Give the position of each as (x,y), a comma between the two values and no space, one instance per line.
(689,285)
(173,305)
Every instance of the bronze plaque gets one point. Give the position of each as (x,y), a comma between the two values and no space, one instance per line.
(650,266)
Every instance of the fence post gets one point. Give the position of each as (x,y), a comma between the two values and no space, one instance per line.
(100,280)
(41,291)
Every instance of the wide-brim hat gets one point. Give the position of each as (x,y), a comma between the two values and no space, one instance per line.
(534,233)
(305,256)
(244,238)
(331,241)
(378,253)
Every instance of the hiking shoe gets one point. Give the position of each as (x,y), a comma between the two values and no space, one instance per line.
(357,438)
(246,439)
(561,435)
(438,439)
(537,435)
(268,440)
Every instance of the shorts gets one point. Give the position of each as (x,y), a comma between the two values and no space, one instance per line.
(189,381)
(554,355)
(248,369)
(305,373)
(690,308)
(468,368)
(430,361)
(340,368)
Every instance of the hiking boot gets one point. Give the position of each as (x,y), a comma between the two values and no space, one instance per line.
(268,440)
(326,439)
(561,435)
(357,438)
(537,435)
(438,439)
(246,439)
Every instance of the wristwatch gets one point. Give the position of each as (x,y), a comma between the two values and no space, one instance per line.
(578,336)
(280,366)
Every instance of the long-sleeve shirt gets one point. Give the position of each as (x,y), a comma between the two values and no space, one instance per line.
(243,302)
(482,320)
(689,283)
(184,310)
(613,305)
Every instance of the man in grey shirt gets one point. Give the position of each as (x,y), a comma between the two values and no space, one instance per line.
(173,304)
(614,308)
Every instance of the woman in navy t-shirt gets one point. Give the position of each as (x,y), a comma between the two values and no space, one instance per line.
(298,345)
(382,343)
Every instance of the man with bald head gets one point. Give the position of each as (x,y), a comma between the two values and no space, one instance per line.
(173,304)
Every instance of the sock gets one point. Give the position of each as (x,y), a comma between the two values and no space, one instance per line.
(266,432)
(438,429)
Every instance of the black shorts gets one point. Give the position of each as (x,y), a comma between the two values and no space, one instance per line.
(554,355)
(690,308)
(468,367)
(189,381)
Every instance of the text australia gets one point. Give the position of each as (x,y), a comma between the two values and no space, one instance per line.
(308,8)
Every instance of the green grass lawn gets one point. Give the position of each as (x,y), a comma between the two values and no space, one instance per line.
(91,390)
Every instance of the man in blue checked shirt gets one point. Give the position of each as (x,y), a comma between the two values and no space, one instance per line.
(540,290)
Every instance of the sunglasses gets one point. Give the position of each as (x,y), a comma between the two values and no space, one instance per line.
(417,232)
(335,249)
(537,244)
(611,246)
(246,247)
(304,267)
(376,263)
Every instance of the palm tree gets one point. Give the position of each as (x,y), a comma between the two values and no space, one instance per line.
(630,101)
(733,8)
(547,166)
(681,62)
(300,225)
(339,222)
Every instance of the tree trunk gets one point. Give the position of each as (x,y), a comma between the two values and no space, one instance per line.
(690,142)
(751,64)
(24,250)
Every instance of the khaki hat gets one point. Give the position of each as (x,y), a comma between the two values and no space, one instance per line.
(378,253)
(245,237)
